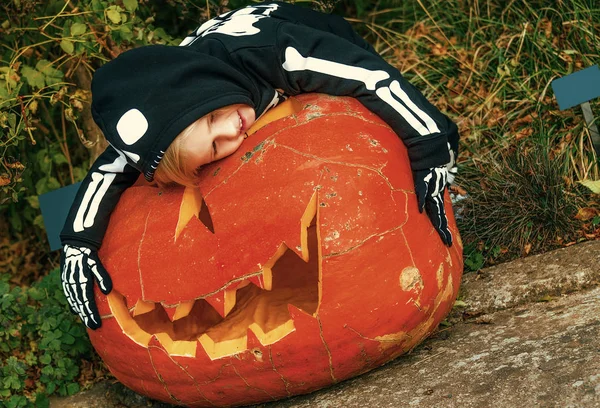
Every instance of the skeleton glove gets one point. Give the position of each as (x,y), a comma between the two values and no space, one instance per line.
(430,185)
(79,267)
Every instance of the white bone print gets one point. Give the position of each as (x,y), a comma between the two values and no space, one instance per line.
(294,61)
(234,23)
(87,211)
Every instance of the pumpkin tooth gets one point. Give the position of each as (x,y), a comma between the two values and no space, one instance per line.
(230,292)
(219,349)
(142,307)
(171,311)
(218,302)
(182,310)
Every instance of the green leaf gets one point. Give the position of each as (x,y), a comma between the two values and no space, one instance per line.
(3,90)
(39,221)
(592,185)
(98,6)
(34,77)
(52,75)
(33,201)
(67,46)
(51,387)
(67,339)
(59,158)
(41,186)
(41,400)
(460,303)
(130,5)
(126,33)
(48,370)
(53,183)
(17,401)
(44,161)
(72,388)
(113,15)
(45,359)
(78,29)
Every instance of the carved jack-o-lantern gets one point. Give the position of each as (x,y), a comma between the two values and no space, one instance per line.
(301,260)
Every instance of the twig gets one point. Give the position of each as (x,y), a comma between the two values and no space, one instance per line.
(24,116)
(428,358)
(64,140)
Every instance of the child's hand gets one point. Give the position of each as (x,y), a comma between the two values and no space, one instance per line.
(79,267)
(430,185)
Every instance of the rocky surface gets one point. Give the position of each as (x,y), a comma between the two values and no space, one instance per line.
(529,336)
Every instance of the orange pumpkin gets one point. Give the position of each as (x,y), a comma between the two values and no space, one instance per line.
(301,260)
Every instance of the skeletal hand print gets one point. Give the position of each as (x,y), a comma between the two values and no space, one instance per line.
(430,185)
(79,267)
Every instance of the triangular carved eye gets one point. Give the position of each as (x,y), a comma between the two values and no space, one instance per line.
(193,205)
(205,217)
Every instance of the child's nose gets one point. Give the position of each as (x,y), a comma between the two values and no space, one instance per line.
(229,127)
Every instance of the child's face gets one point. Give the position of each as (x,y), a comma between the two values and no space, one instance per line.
(216,135)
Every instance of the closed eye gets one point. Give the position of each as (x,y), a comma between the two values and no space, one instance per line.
(214,146)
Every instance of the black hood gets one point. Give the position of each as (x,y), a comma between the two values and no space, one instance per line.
(146,96)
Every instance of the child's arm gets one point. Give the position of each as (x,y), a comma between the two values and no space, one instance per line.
(84,229)
(309,60)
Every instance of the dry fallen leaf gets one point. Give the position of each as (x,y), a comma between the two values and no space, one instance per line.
(586,213)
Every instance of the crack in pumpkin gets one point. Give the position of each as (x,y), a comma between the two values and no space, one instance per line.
(352,248)
(139,258)
(196,385)
(327,349)
(354,165)
(250,386)
(286,383)
(412,258)
(160,379)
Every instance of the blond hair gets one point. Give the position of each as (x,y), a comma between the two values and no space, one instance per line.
(172,170)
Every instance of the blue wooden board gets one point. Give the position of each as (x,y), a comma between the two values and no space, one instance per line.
(55,207)
(577,88)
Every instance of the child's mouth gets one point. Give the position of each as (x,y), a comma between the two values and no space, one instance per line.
(242,123)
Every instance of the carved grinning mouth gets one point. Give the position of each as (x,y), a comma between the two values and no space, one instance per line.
(258,303)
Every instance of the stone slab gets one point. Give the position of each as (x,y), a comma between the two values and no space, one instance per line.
(543,355)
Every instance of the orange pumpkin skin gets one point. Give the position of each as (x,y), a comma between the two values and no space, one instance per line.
(367,282)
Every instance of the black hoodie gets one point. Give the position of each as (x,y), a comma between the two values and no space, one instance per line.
(145,97)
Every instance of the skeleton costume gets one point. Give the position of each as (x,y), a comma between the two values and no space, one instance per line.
(145,97)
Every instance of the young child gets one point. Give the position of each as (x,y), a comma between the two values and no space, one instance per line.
(201,97)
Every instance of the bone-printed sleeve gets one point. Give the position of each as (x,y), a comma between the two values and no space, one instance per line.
(96,199)
(315,61)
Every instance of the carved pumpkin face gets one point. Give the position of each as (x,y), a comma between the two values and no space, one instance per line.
(301,260)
